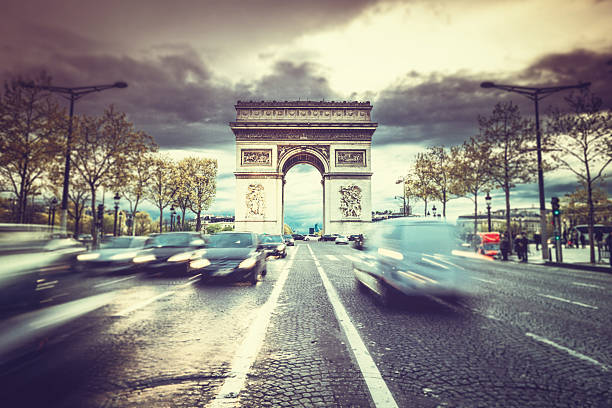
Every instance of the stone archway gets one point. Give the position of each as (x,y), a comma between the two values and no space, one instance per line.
(272,137)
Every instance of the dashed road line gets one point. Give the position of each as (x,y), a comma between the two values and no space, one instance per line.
(376,385)
(567,350)
(352,258)
(142,304)
(485,280)
(587,285)
(99,285)
(568,301)
(332,258)
(228,393)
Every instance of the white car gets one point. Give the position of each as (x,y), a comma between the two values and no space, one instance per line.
(341,239)
(311,237)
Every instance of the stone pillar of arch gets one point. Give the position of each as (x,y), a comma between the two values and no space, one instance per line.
(333,137)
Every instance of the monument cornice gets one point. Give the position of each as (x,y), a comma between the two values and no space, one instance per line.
(297,125)
(303,104)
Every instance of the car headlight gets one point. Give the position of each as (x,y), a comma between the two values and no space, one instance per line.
(180,257)
(88,257)
(123,255)
(280,247)
(199,263)
(390,254)
(144,258)
(248,263)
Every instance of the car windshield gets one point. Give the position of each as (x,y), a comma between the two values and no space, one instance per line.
(417,237)
(287,236)
(271,239)
(171,240)
(232,240)
(121,242)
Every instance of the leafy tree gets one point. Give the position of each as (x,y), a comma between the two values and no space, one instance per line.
(511,143)
(134,187)
(440,166)
(420,182)
(30,126)
(182,183)
(103,147)
(581,142)
(471,174)
(202,186)
(143,223)
(161,189)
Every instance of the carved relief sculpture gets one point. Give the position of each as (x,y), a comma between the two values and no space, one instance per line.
(255,200)
(350,201)
(351,158)
(257,157)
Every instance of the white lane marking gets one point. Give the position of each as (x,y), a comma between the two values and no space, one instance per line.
(332,258)
(99,285)
(587,285)
(567,350)
(228,393)
(568,301)
(137,306)
(433,262)
(350,258)
(376,385)
(485,280)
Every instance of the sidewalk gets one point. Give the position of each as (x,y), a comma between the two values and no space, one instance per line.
(575,258)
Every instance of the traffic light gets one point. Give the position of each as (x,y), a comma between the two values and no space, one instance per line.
(555,206)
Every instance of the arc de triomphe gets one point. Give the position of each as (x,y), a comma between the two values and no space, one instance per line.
(272,137)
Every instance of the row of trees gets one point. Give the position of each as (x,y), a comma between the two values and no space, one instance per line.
(108,152)
(503,155)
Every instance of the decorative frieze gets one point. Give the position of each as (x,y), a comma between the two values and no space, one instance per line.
(350,201)
(255,201)
(260,134)
(350,158)
(256,157)
(284,150)
(303,111)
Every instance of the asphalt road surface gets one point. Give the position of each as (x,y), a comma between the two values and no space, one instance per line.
(522,336)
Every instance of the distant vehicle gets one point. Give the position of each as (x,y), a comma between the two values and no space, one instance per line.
(341,239)
(488,243)
(329,237)
(311,237)
(234,256)
(353,237)
(298,237)
(583,229)
(408,257)
(289,240)
(170,252)
(273,245)
(114,255)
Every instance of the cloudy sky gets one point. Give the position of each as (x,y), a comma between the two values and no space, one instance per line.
(420,64)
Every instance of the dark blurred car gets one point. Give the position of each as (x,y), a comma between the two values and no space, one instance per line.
(353,237)
(289,241)
(328,237)
(408,257)
(170,252)
(235,256)
(273,245)
(114,255)
(33,258)
(298,237)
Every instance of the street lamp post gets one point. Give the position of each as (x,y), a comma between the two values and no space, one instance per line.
(434,209)
(488,200)
(172,214)
(535,94)
(52,212)
(120,232)
(405,211)
(72,94)
(116,198)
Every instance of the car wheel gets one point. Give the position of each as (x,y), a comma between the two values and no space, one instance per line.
(361,286)
(253,277)
(284,254)
(264,272)
(387,296)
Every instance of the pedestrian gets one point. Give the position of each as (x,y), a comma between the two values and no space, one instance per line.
(536,238)
(504,247)
(525,247)
(582,240)
(609,245)
(518,246)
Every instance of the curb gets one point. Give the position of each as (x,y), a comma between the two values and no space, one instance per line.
(583,267)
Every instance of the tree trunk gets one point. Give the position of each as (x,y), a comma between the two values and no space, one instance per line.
(183,210)
(198,221)
(161,219)
(94,217)
(475,213)
(591,221)
(508,225)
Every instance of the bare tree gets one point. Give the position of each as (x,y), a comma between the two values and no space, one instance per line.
(581,142)
(420,183)
(202,185)
(30,126)
(511,142)
(134,186)
(440,165)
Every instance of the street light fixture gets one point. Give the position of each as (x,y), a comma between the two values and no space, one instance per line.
(52,212)
(488,200)
(72,94)
(535,94)
(116,198)
(172,214)
(434,209)
(399,181)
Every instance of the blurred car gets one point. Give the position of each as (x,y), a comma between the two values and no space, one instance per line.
(298,237)
(170,252)
(273,245)
(353,237)
(33,259)
(289,241)
(234,256)
(114,255)
(329,237)
(311,237)
(341,239)
(408,257)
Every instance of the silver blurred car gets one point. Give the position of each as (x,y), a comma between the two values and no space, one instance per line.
(114,255)
(404,257)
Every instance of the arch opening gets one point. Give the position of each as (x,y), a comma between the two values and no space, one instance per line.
(303,158)
(303,204)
